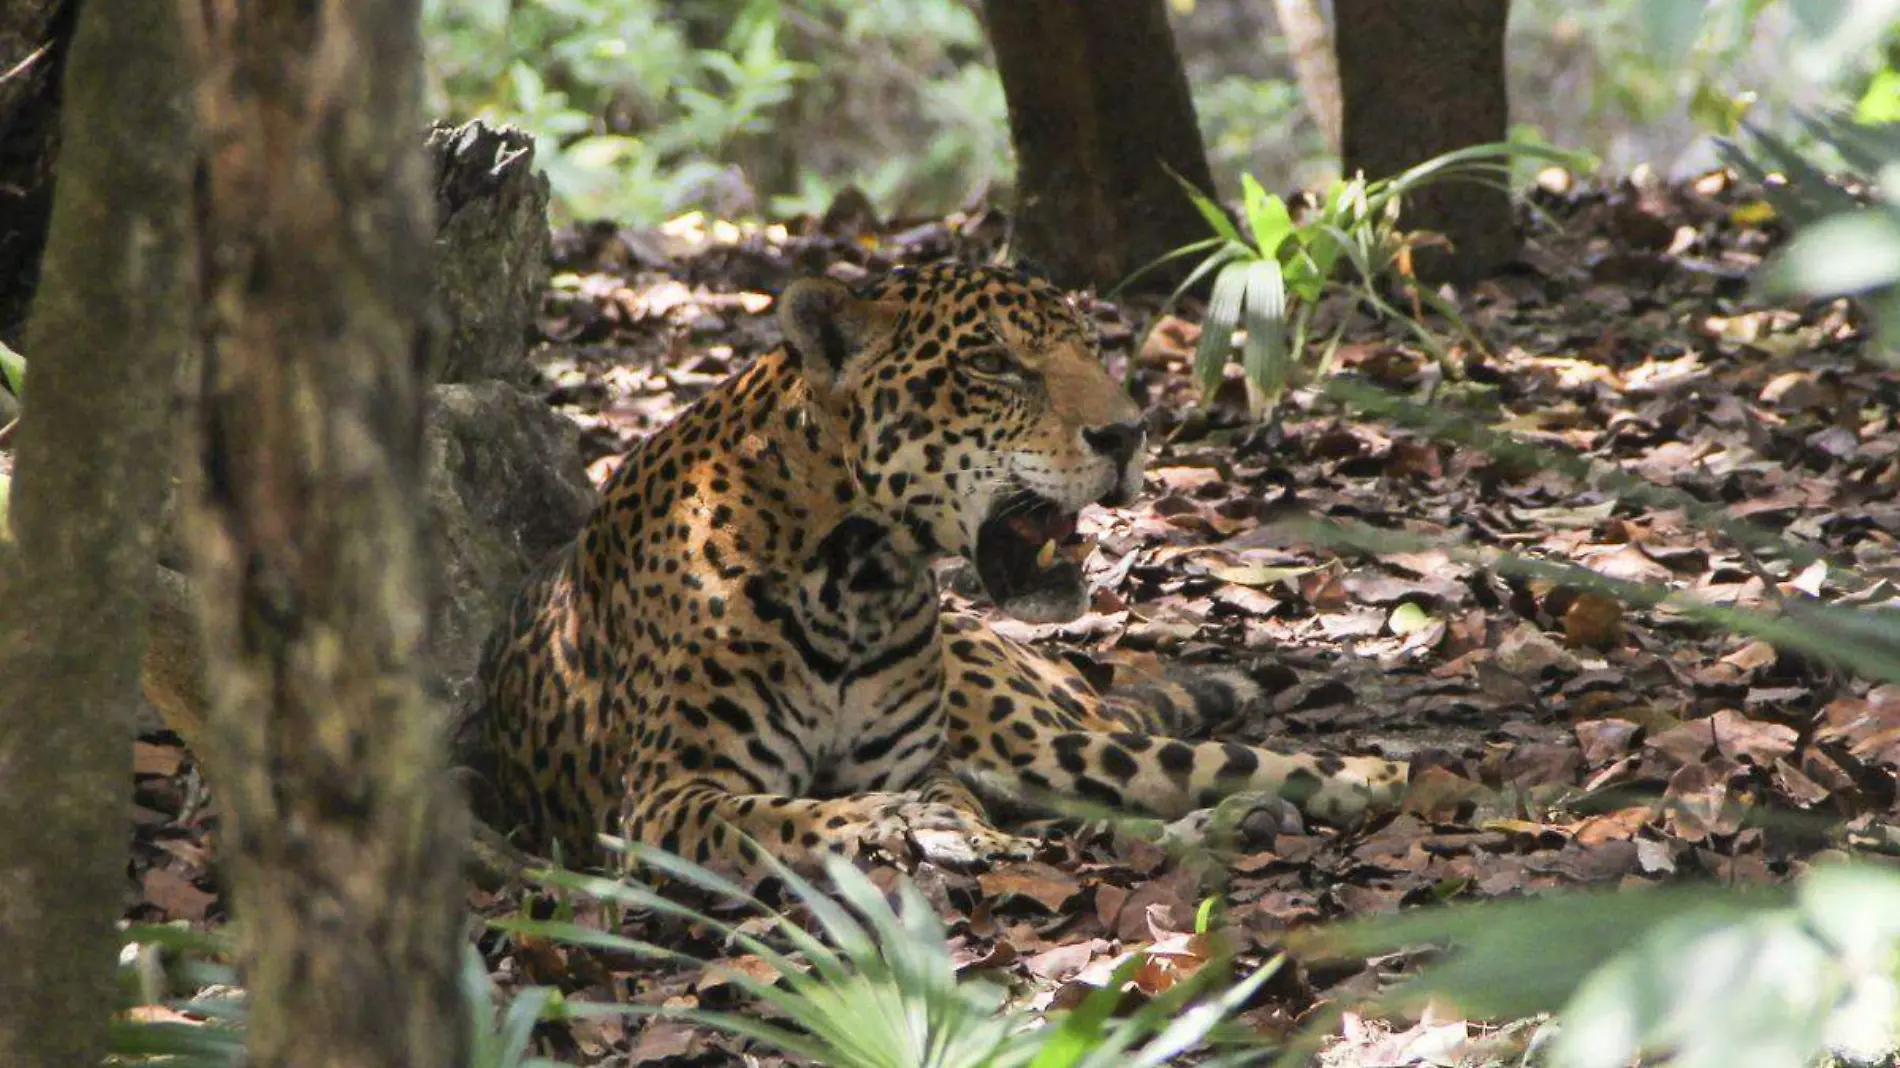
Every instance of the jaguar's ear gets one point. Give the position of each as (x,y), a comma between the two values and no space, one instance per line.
(828,327)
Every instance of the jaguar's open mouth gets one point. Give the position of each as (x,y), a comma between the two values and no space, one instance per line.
(1029,556)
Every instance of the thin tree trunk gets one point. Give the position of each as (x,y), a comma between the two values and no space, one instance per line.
(1309,43)
(345,837)
(1099,112)
(1419,80)
(108,330)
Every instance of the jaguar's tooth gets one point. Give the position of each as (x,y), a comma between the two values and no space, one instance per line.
(1046,557)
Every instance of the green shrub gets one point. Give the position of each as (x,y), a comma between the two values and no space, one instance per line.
(1844,245)
(1270,270)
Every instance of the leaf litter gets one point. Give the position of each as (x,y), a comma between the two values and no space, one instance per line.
(1561,738)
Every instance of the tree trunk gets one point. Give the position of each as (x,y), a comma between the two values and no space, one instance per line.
(1419,80)
(108,330)
(1309,44)
(345,837)
(34,36)
(1098,112)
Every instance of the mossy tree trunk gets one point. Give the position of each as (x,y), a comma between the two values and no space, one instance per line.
(1099,112)
(345,838)
(1419,80)
(107,333)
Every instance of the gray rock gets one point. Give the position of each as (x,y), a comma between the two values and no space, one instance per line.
(505,487)
(491,247)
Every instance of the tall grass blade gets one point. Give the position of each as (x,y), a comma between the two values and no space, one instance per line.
(1215,215)
(1165,258)
(1218,326)
(1264,355)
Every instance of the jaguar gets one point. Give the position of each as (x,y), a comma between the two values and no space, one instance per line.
(744,646)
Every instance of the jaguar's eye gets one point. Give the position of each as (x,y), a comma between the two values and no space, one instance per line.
(993,361)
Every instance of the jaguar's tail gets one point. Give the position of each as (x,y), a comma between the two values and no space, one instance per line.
(1187,702)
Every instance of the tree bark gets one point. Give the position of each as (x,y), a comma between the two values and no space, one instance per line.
(1309,44)
(345,835)
(1419,80)
(108,330)
(1098,112)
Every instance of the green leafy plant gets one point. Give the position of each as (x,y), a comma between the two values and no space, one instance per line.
(12,370)
(1710,977)
(161,959)
(157,961)
(1270,269)
(503,1041)
(1844,245)
(877,989)
(643,109)
(629,118)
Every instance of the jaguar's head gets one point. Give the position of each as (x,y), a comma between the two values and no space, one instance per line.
(979,417)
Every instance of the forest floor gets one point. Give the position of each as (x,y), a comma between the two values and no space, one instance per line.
(1566,739)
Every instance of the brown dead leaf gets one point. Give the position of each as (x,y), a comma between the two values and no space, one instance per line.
(1358,623)
(1728,733)
(1246,600)
(1175,894)
(1621,825)
(1173,959)
(1323,590)
(1696,803)
(999,954)
(161,1014)
(668,1041)
(1437,794)
(1172,340)
(1804,791)
(1185,479)
(1061,962)
(1626,562)
(1420,459)
(1751,740)
(1752,657)
(160,760)
(1604,740)
(1870,727)
(1526,652)
(175,895)
(1594,621)
(540,960)
(1039,884)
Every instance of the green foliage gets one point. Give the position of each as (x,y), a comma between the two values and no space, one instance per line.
(1843,246)
(503,1042)
(1881,102)
(879,990)
(12,370)
(1701,45)
(160,960)
(1244,118)
(1270,271)
(624,110)
(905,105)
(643,109)
(1710,977)
(167,958)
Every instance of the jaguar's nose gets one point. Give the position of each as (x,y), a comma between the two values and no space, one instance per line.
(1117,441)
(1121,443)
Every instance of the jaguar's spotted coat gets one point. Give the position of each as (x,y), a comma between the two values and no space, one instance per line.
(745,637)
